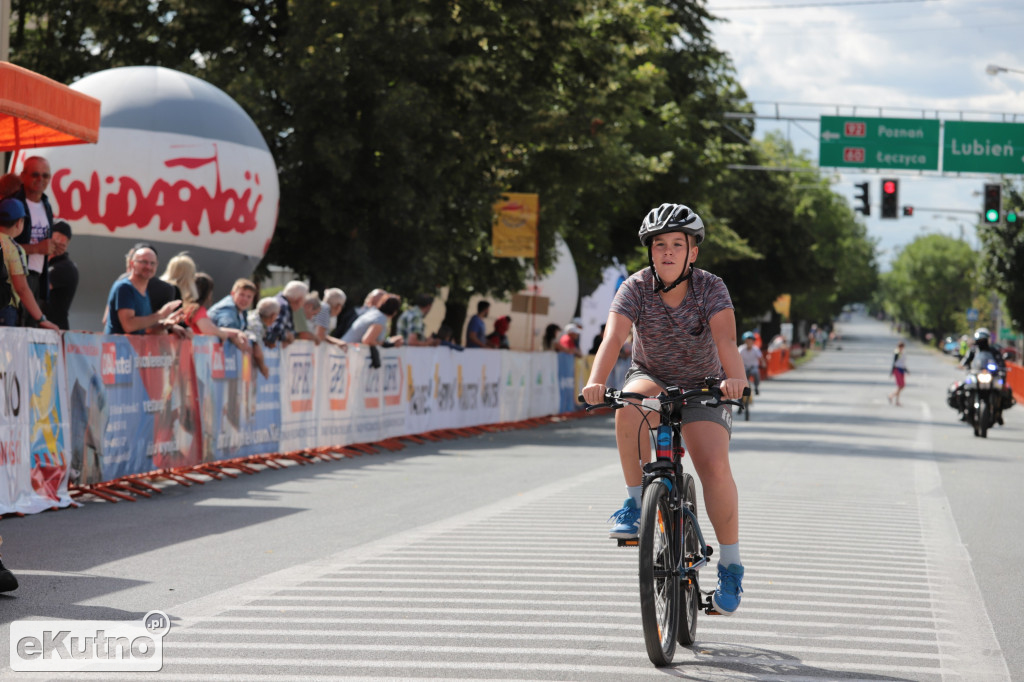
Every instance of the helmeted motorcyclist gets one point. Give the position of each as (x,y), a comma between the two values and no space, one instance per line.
(981,353)
(978,358)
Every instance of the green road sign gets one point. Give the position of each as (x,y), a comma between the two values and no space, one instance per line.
(981,147)
(891,143)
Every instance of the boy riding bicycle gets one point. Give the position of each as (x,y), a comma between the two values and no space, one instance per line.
(683,332)
(753,360)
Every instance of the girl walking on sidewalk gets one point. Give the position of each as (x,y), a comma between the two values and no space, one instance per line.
(899,369)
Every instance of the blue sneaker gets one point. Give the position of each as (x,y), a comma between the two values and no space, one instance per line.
(627,521)
(726,598)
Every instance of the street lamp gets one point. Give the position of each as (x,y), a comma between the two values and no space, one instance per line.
(993,69)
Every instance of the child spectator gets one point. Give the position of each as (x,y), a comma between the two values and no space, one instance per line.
(14,289)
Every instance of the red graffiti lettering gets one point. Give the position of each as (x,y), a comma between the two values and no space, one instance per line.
(178,205)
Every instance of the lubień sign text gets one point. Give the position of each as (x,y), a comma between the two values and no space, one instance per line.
(982,147)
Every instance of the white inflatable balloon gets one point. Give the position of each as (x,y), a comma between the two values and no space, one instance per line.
(179,164)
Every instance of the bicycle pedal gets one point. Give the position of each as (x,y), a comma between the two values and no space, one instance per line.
(628,542)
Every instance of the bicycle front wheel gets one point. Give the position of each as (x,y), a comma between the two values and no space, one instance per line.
(689,600)
(659,573)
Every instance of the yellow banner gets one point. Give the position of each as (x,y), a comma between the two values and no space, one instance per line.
(514,234)
(782,305)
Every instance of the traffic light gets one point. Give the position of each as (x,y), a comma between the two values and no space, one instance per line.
(864,198)
(1011,216)
(908,211)
(993,203)
(890,197)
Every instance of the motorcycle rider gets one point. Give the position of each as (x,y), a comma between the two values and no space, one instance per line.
(978,358)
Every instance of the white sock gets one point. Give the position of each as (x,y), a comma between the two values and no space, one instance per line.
(636,492)
(729,555)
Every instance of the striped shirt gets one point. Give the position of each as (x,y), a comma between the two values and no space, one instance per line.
(674,345)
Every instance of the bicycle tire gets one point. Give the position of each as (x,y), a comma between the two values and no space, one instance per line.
(690,599)
(659,577)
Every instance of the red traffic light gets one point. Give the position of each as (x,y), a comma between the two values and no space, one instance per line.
(889,187)
(908,211)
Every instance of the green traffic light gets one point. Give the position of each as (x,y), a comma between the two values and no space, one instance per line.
(992,216)
(1011,217)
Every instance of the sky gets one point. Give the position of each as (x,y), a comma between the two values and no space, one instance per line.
(890,58)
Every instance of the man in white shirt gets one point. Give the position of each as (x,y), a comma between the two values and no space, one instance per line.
(35,238)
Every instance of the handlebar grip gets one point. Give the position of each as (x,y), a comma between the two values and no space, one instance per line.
(746,391)
(579,399)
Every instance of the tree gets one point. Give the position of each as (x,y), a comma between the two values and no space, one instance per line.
(931,283)
(1002,258)
(396,124)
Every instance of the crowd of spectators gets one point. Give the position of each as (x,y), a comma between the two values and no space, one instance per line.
(38,280)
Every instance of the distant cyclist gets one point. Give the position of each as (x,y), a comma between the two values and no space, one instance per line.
(684,329)
(753,360)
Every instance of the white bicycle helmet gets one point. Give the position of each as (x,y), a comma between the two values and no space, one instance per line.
(671,218)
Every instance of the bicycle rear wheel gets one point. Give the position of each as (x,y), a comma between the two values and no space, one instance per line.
(659,575)
(690,599)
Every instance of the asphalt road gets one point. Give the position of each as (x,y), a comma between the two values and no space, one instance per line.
(880,543)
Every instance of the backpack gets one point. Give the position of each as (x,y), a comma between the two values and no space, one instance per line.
(6,292)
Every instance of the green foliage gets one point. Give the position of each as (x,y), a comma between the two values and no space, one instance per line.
(396,124)
(931,283)
(806,239)
(1002,257)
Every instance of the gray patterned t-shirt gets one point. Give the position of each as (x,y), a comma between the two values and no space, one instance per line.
(674,344)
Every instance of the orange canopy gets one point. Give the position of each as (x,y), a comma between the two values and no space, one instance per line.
(36,111)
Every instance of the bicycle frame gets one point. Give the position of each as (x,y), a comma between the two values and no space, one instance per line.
(672,470)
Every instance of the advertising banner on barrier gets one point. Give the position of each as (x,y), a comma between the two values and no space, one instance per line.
(566,382)
(34,434)
(377,405)
(420,384)
(299,381)
(465,388)
(138,399)
(101,407)
(543,389)
(514,386)
(334,402)
(239,407)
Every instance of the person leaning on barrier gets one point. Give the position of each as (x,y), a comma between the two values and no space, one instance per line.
(129,310)
(371,328)
(410,323)
(196,315)
(261,323)
(334,301)
(319,314)
(290,300)
(230,311)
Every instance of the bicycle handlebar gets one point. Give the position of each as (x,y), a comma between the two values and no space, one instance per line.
(616,399)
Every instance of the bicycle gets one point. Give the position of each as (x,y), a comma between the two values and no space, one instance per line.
(672,546)
(748,398)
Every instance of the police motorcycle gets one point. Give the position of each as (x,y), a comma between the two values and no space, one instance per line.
(983,394)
